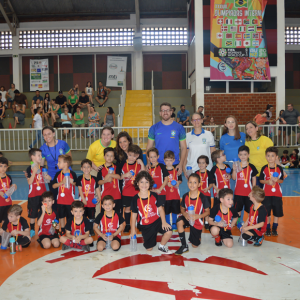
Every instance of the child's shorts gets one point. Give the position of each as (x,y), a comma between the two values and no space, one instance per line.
(149,233)
(126,201)
(208,200)
(248,237)
(195,234)
(172,206)
(89,212)
(3,212)
(273,203)
(224,234)
(162,199)
(34,205)
(118,206)
(217,201)
(114,239)
(63,211)
(241,201)
(44,236)
(23,240)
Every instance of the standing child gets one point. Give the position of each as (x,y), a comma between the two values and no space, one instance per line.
(221,179)
(108,178)
(17,226)
(88,188)
(77,229)
(294,159)
(285,160)
(111,221)
(149,213)
(172,191)
(221,230)
(65,196)
(47,233)
(201,208)
(245,181)
(206,182)
(128,191)
(273,192)
(256,224)
(36,187)
(37,123)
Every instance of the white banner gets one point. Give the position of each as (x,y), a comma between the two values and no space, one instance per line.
(39,75)
(116,70)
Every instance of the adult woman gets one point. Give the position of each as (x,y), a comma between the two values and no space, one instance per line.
(93,121)
(35,105)
(19,115)
(75,89)
(109,118)
(47,97)
(3,93)
(89,91)
(66,118)
(79,121)
(281,128)
(46,109)
(211,123)
(269,111)
(10,95)
(72,102)
(55,111)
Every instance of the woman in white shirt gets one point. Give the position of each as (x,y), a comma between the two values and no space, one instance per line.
(89,91)
(66,118)
(3,93)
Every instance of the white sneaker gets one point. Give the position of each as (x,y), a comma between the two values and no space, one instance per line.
(164,249)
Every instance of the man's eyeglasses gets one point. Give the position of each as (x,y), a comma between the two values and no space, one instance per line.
(166,110)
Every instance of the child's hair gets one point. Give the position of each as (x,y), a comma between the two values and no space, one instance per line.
(296,150)
(285,152)
(244,148)
(1,153)
(203,157)
(15,209)
(140,176)
(215,155)
(273,150)
(224,192)
(194,175)
(66,158)
(169,154)
(33,151)
(47,194)
(109,149)
(77,204)
(153,149)
(3,161)
(258,194)
(87,161)
(134,149)
(108,197)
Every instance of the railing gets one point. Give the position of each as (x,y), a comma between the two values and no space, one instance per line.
(153,105)
(122,103)
(82,138)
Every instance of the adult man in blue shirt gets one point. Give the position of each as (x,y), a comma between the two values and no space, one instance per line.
(166,135)
(183,116)
(37,96)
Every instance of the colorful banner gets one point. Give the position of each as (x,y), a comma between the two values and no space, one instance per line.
(39,75)
(116,70)
(238,49)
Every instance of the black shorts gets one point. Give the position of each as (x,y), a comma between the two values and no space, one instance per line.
(34,205)
(241,201)
(292,128)
(247,237)
(114,239)
(3,212)
(195,234)
(89,212)
(24,241)
(126,201)
(208,199)
(149,233)
(217,201)
(281,128)
(224,234)
(273,203)
(172,206)
(162,199)
(63,211)
(66,125)
(44,236)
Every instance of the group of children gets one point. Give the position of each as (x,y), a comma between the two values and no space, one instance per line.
(132,194)
(291,161)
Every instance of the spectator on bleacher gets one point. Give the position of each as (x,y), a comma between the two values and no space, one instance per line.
(109,118)
(89,91)
(37,97)
(84,101)
(79,120)
(35,105)
(61,100)
(55,111)
(211,123)
(66,118)
(75,89)
(102,94)
(46,109)
(173,116)
(1,100)
(72,102)
(93,121)
(200,112)
(10,95)
(19,114)
(3,95)
(183,116)
(37,123)
(281,129)
(261,119)
(20,99)
(2,113)
(47,97)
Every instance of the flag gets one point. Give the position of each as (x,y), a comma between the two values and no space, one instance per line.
(228,35)
(219,35)
(246,22)
(251,28)
(258,29)
(228,43)
(262,36)
(238,36)
(240,3)
(247,36)
(224,28)
(254,21)
(242,28)
(233,28)
(238,22)
(220,21)
(246,43)
(255,43)
(238,43)
(255,35)
(228,21)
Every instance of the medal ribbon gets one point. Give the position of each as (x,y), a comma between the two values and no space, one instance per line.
(61,179)
(87,191)
(202,178)
(79,226)
(196,200)
(153,171)
(247,173)
(222,175)
(273,186)
(254,213)
(223,217)
(12,228)
(112,166)
(173,175)
(145,213)
(134,169)
(36,180)
(6,183)
(112,220)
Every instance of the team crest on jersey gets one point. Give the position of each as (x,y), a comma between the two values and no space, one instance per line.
(173,132)
(242,175)
(148,209)
(39,177)
(204,141)
(87,187)
(257,148)
(48,221)
(61,151)
(110,225)
(241,141)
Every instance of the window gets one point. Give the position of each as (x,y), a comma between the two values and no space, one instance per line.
(239,87)
(5,40)
(214,86)
(265,87)
(292,35)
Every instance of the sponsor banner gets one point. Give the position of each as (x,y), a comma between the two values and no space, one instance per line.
(116,70)
(238,47)
(39,75)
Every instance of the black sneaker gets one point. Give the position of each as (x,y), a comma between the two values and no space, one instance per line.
(86,248)
(127,228)
(206,226)
(182,249)
(268,232)
(65,247)
(274,232)
(218,243)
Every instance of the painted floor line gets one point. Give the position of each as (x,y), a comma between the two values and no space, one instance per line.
(296,192)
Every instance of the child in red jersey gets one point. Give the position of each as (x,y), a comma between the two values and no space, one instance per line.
(88,187)
(221,230)
(221,179)
(109,221)
(47,234)
(245,181)
(273,192)
(65,197)
(77,229)
(256,224)
(294,159)
(36,186)
(17,226)
(148,212)
(201,208)
(172,191)
(108,178)
(129,171)
(206,182)
(285,160)
(5,183)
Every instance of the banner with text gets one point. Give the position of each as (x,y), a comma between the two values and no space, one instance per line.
(116,70)
(39,75)
(238,48)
